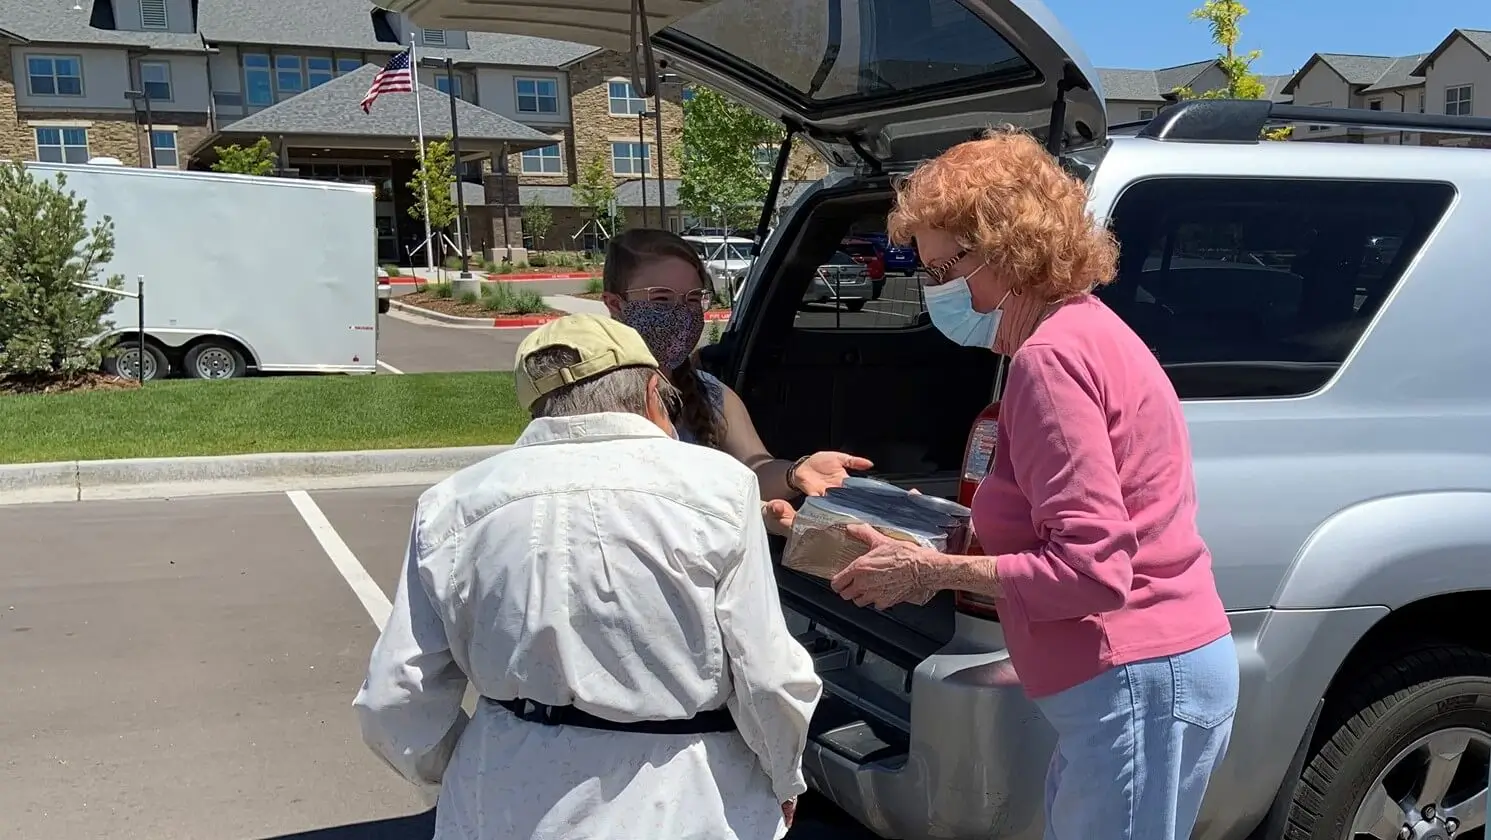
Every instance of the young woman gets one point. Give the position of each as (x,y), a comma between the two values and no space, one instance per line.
(655,283)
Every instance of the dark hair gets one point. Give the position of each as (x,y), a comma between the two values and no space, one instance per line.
(630,253)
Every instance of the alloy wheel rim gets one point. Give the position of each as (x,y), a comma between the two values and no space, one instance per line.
(1434,789)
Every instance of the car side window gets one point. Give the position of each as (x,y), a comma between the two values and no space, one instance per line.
(1248,288)
(864,284)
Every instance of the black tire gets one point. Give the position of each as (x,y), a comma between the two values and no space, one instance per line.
(157,366)
(854,305)
(1382,711)
(877,288)
(383,306)
(214,360)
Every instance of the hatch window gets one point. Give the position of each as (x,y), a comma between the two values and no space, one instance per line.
(821,53)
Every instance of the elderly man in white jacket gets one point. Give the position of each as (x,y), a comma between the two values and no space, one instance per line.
(609,593)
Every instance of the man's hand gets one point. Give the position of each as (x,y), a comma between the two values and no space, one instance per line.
(779,516)
(789,811)
(891,572)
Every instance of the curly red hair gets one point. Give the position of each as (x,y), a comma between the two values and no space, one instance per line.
(1005,198)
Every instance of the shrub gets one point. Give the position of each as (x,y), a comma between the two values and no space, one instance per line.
(504,297)
(503,268)
(594,286)
(391,270)
(538,259)
(440,290)
(48,325)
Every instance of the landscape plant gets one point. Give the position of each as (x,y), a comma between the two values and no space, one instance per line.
(1224,17)
(49,324)
(256,159)
(538,220)
(436,173)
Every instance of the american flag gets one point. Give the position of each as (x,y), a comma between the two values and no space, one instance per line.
(395,77)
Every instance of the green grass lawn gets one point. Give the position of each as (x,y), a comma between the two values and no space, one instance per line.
(272,414)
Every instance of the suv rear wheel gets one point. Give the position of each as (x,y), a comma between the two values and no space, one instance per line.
(1408,755)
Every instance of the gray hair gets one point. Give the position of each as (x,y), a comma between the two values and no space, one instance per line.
(621,390)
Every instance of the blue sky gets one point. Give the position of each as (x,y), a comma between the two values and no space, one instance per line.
(1149,34)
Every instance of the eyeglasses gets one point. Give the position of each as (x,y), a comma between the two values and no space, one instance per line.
(938,271)
(663,294)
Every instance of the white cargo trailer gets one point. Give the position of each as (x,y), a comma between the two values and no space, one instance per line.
(242,274)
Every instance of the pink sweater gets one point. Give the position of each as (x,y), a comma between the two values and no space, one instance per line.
(1091,507)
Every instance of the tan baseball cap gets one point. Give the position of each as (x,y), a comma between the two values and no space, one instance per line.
(604,344)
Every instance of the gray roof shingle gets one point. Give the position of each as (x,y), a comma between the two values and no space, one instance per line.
(348,24)
(1359,69)
(1150,85)
(1399,75)
(332,109)
(56,22)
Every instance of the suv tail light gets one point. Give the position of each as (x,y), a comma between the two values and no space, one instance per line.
(978,459)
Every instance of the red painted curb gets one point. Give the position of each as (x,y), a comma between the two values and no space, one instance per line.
(523,320)
(527,278)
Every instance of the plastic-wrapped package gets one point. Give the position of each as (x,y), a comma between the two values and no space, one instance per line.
(820,546)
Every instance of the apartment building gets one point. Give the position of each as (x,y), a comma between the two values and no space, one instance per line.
(1443,81)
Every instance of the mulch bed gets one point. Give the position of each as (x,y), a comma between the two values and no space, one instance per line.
(55,384)
(451,306)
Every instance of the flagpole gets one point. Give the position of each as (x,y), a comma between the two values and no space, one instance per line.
(419,122)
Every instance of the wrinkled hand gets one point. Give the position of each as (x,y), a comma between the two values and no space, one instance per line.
(823,470)
(779,515)
(789,811)
(891,572)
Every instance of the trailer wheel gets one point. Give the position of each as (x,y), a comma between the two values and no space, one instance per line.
(214,360)
(125,362)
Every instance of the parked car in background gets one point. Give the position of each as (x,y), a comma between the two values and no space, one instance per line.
(385,290)
(842,280)
(901,258)
(726,258)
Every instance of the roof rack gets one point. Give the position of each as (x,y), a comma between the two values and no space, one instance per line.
(1243,120)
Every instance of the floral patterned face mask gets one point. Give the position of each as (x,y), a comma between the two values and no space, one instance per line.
(672,329)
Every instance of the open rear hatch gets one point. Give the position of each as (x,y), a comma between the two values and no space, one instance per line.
(875,82)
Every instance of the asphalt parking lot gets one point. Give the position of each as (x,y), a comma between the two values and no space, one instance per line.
(184,668)
(410,346)
(898,306)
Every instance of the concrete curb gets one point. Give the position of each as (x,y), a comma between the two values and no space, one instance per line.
(199,476)
(501,322)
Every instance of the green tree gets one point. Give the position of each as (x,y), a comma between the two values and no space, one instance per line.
(595,192)
(538,220)
(258,159)
(720,177)
(47,323)
(1224,17)
(437,173)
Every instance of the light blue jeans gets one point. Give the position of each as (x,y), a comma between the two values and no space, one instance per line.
(1135,746)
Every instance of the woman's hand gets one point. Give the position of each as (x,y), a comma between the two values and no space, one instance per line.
(789,811)
(779,516)
(823,470)
(891,572)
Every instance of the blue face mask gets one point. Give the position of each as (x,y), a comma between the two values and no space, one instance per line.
(951,306)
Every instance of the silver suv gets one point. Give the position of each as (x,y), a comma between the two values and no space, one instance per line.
(1321,310)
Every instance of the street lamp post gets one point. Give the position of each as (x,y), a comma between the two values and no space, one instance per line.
(144,94)
(455,150)
(657,124)
(642,143)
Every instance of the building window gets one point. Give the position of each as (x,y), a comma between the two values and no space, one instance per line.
(163,146)
(443,83)
(258,85)
(1374,104)
(623,101)
(318,71)
(629,158)
(287,75)
(153,14)
(1422,101)
(55,75)
(545,160)
(56,144)
(1457,101)
(765,157)
(538,96)
(433,37)
(348,65)
(1146,113)
(1316,127)
(155,76)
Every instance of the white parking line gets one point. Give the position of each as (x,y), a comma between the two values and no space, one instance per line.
(388,367)
(363,586)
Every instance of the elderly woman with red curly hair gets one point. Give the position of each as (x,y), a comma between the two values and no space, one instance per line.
(1088,517)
